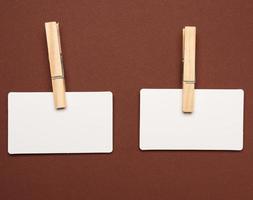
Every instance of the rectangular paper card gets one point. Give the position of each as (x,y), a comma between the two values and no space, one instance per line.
(215,124)
(36,127)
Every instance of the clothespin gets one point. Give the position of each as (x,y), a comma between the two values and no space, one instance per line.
(56,65)
(189,46)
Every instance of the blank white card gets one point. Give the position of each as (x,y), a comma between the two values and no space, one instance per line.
(215,124)
(36,127)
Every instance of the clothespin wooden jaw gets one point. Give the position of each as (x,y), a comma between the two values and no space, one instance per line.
(56,65)
(189,50)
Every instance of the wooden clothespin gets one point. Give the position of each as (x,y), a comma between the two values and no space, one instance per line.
(189,46)
(56,65)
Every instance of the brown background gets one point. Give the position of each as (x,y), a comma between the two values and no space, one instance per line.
(123,46)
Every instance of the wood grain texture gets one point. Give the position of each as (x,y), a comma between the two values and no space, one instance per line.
(188,97)
(55,62)
(58,86)
(189,49)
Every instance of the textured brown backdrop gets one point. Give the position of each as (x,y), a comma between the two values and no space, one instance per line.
(123,46)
